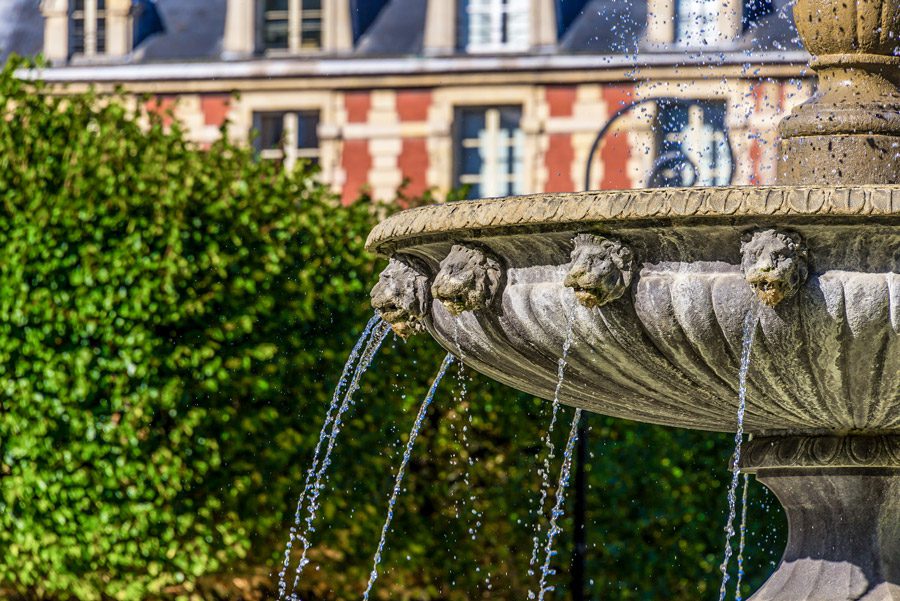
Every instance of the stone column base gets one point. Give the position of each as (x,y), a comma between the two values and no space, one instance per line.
(842,499)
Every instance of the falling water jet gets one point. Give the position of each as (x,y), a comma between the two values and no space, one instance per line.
(368,355)
(401,471)
(462,378)
(551,448)
(554,528)
(349,367)
(743,540)
(750,321)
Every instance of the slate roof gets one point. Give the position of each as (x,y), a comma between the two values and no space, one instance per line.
(193,29)
(21,28)
(399,29)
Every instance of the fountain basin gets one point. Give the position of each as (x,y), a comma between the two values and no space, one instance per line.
(662,343)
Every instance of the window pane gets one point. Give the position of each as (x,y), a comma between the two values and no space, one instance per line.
(494,25)
(270,127)
(471,122)
(101,35)
(311,33)
(307,129)
(76,36)
(470,161)
(101,4)
(510,117)
(275,34)
(692,147)
(274,24)
(697,22)
(489,150)
(312,4)
(78,5)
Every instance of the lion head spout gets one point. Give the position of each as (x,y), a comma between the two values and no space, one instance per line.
(401,297)
(774,263)
(601,270)
(468,279)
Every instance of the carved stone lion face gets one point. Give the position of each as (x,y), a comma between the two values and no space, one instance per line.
(401,296)
(467,281)
(601,270)
(774,263)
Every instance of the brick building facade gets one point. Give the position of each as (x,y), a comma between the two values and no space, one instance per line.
(505,96)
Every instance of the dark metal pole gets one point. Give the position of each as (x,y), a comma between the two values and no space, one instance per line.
(579,515)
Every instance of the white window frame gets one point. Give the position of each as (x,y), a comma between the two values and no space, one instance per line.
(288,152)
(90,16)
(296,17)
(496,175)
(698,23)
(511,18)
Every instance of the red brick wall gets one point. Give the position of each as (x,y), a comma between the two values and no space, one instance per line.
(357,105)
(412,107)
(560,150)
(356,160)
(215,108)
(616,149)
(561,100)
(163,105)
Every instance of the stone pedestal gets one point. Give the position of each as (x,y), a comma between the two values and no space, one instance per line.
(842,499)
(849,131)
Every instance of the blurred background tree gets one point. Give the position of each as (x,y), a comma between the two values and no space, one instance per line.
(172,321)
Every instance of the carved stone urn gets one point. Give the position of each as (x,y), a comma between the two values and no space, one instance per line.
(656,284)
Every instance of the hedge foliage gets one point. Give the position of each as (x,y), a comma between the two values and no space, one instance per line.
(172,320)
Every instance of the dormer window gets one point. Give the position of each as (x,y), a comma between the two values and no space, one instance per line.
(697,23)
(494,25)
(87,28)
(289,25)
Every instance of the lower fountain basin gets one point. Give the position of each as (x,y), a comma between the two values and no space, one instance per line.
(826,359)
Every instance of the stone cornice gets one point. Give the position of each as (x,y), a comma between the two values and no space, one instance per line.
(379,66)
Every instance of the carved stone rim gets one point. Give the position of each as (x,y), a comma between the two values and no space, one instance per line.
(707,205)
(852,59)
(825,451)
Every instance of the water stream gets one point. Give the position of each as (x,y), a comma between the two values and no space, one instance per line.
(554,528)
(544,470)
(379,334)
(401,471)
(747,343)
(742,545)
(470,506)
(349,367)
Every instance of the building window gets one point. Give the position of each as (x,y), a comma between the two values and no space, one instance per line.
(489,147)
(692,145)
(290,25)
(697,23)
(287,136)
(494,25)
(87,27)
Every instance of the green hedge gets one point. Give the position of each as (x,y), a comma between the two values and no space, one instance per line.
(172,321)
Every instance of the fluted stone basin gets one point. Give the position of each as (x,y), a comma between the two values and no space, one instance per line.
(655,286)
(667,351)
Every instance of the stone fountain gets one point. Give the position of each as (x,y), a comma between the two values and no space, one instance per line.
(656,285)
